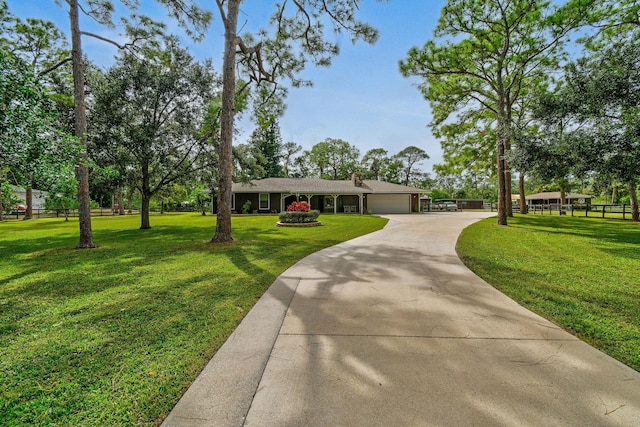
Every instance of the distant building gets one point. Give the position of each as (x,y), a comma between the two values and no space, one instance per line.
(553,198)
(425,203)
(38,197)
(470,203)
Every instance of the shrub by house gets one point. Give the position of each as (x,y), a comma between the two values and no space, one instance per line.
(299,213)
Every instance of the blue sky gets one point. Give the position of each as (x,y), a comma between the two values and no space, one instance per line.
(362,98)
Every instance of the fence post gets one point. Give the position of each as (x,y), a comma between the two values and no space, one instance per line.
(624,211)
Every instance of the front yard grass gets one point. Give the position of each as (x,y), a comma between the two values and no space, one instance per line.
(580,273)
(114,335)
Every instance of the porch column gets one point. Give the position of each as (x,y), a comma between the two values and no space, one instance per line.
(283,196)
(361,204)
(309,196)
(335,203)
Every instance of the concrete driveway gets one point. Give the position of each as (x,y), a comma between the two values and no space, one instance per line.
(391,329)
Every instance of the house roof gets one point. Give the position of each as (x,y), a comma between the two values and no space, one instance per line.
(556,195)
(320,186)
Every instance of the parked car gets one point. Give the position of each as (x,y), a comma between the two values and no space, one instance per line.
(447,206)
(18,209)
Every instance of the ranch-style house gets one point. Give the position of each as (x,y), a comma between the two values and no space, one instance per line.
(273,195)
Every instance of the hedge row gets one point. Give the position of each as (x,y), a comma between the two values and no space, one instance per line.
(289,217)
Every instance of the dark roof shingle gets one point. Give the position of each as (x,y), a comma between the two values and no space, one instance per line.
(320,186)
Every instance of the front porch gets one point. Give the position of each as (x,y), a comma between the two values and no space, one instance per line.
(332,203)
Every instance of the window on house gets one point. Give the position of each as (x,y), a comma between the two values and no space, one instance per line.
(264,201)
(328,203)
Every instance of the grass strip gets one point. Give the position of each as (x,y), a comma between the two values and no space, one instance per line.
(115,335)
(580,273)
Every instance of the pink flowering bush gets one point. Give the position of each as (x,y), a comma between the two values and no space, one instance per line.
(299,212)
(298,207)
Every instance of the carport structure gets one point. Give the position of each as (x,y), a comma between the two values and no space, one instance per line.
(328,196)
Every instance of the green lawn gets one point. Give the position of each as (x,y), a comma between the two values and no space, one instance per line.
(114,335)
(581,273)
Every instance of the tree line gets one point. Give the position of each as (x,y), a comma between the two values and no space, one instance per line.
(265,156)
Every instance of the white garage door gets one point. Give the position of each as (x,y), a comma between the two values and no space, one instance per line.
(389,203)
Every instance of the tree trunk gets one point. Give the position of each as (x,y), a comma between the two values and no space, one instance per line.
(130,207)
(507,188)
(223,222)
(501,163)
(29,202)
(145,194)
(507,125)
(145,224)
(502,199)
(633,198)
(120,202)
(82,170)
(1,205)
(523,198)
(502,142)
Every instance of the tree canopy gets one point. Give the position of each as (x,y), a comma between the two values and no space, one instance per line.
(33,148)
(593,121)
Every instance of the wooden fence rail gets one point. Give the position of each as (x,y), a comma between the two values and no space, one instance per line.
(61,213)
(601,211)
(620,211)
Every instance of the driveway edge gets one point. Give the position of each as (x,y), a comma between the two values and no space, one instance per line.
(222,394)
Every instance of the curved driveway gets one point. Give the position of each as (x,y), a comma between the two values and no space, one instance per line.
(391,329)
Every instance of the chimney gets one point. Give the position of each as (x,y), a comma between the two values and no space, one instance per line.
(357,179)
